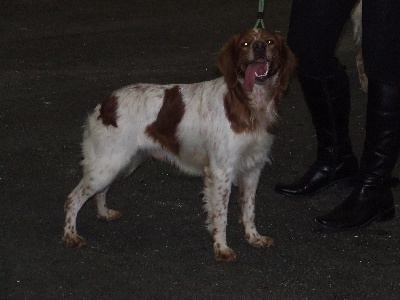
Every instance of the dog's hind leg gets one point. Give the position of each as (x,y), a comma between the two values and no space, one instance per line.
(105,213)
(99,173)
(73,204)
(87,188)
(247,189)
(139,158)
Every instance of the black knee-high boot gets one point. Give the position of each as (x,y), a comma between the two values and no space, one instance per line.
(329,104)
(372,198)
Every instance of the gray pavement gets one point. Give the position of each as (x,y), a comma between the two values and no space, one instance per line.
(57,61)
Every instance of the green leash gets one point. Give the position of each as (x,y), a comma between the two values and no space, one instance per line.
(260,15)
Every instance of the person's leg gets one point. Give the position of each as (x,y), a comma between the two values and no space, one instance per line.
(380,39)
(372,198)
(314,30)
(315,27)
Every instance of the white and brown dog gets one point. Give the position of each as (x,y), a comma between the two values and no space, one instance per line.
(219,129)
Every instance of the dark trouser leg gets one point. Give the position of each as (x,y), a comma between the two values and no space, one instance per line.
(380,40)
(315,27)
(314,30)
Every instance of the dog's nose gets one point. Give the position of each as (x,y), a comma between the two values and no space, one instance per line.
(259,48)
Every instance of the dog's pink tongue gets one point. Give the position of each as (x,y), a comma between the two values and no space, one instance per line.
(250,74)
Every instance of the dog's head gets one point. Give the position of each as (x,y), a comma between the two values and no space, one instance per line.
(254,57)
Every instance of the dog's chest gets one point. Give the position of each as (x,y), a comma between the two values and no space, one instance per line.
(240,152)
(254,150)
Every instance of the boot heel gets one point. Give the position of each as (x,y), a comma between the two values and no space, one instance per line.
(387,215)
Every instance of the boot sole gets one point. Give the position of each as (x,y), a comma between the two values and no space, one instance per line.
(345,182)
(383,216)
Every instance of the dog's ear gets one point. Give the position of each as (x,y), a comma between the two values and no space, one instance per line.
(288,64)
(227,61)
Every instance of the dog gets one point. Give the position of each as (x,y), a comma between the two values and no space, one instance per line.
(219,129)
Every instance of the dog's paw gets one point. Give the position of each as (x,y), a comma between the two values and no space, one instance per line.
(258,241)
(109,215)
(73,240)
(223,253)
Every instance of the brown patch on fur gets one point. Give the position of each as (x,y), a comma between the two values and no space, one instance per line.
(108,111)
(283,63)
(238,110)
(236,102)
(163,129)
(287,64)
(227,61)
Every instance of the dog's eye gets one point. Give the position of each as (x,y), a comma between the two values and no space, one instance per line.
(269,42)
(245,44)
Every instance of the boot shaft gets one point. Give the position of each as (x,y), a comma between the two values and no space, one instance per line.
(328,101)
(382,139)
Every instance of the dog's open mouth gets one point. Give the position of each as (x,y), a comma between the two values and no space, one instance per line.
(257,70)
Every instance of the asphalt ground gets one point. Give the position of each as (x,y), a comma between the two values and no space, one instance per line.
(57,61)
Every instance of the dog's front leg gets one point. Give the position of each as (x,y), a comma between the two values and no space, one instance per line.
(217,191)
(248,183)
